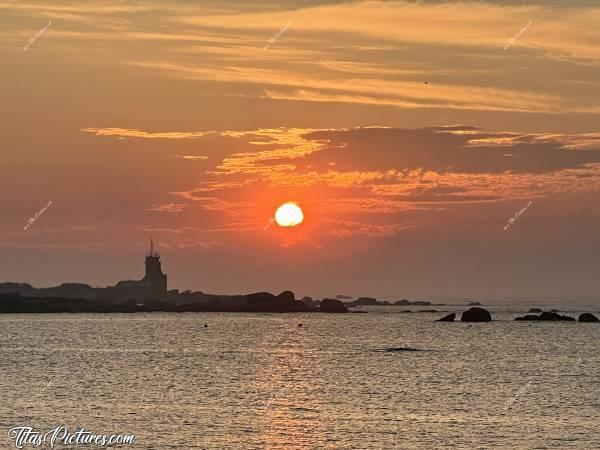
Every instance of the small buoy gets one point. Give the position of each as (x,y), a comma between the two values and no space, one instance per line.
(299,324)
(205,325)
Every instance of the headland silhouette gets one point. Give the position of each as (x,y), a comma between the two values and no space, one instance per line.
(148,295)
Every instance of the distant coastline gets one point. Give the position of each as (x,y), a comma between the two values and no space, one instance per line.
(150,294)
(14,303)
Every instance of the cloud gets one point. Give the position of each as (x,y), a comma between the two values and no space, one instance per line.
(453,150)
(190,243)
(174,208)
(133,133)
(191,157)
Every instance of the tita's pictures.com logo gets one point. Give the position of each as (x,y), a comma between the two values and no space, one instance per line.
(26,436)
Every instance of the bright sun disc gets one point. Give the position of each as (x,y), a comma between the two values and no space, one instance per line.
(289,215)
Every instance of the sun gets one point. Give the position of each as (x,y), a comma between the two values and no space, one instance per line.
(289,215)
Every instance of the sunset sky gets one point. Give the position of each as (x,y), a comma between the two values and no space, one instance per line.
(406,132)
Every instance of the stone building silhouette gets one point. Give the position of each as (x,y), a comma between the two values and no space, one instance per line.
(152,286)
(155,280)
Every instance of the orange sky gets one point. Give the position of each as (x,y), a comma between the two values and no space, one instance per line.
(406,131)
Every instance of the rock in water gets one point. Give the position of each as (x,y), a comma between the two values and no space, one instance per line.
(528,317)
(476,315)
(547,316)
(448,318)
(402,349)
(366,301)
(329,305)
(554,316)
(588,317)
(536,310)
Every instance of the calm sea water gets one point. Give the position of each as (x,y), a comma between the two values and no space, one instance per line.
(252,381)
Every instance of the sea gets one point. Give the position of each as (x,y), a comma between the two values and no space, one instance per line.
(305,381)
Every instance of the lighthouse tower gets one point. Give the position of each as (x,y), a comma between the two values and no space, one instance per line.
(155,279)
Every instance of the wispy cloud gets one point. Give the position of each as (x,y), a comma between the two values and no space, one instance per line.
(124,132)
(174,208)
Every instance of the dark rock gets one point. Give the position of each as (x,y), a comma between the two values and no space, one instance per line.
(554,316)
(476,314)
(403,349)
(359,312)
(330,305)
(535,310)
(267,302)
(308,302)
(287,297)
(588,317)
(528,317)
(259,297)
(427,310)
(448,318)
(405,302)
(546,316)
(366,301)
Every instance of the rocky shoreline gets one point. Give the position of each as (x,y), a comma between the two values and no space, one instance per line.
(257,302)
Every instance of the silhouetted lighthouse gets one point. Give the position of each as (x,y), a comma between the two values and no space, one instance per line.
(155,279)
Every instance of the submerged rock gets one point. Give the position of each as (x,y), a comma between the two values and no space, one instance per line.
(588,317)
(448,318)
(474,304)
(403,349)
(535,310)
(476,314)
